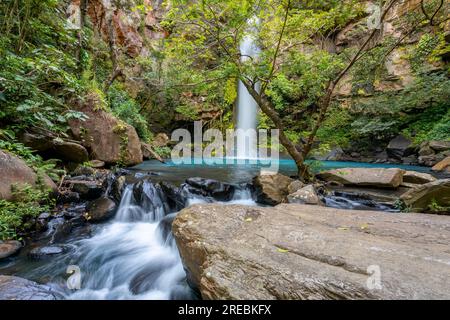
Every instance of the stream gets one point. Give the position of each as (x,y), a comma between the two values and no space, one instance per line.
(134,255)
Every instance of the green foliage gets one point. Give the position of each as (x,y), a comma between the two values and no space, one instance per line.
(29,203)
(127,109)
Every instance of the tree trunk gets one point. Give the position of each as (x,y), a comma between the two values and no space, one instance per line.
(269,110)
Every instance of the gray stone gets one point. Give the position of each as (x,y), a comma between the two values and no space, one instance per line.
(14,288)
(398,147)
(366,177)
(440,145)
(311,252)
(306,195)
(417,177)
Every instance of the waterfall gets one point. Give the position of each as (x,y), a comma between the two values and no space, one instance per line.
(247,108)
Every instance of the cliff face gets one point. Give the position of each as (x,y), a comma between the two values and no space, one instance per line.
(399,73)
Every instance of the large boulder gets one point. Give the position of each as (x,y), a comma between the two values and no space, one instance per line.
(443,165)
(209,188)
(364,177)
(70,151)
(398,147)
(420,199)
(109,139)
(272,189)
(9,248)
(304,252)
(14,171)
(14,288)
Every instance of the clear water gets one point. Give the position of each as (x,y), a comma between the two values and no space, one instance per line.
(243,171)
(131,257)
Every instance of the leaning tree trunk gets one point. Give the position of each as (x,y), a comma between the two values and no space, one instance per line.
(269,110)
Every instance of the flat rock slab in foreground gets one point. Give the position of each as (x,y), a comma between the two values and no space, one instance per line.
(310,252)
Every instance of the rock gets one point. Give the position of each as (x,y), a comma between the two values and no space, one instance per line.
(88,190)
(434,193)
(109,139)
(365,177)
(304,252)
(440,145)
(14,288)
(443,165)
(70,151)
(417,177)
(306,195)
(149,153)
(46,252)
(211,188)
(101,209)
(295,186)
(271,189)
(398,147)
(426,151)
(83,171)
(14,171)
(9,248)
(336,154)
(161,140)
(428,161)
(118,187)
(97,164)
(36,142)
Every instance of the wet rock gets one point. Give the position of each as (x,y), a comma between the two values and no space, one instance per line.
(271,189)
(305,252)
(211,188)
(88,190)
(46,252)
(118,187)
(422,198)
(101,209)
(174,196)
(444,165)
(306,195)
(14,171)
(398,147)
(9,248)
(417,177)
(14,288)
(365,177)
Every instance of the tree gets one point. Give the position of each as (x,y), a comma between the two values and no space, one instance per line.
(205,40)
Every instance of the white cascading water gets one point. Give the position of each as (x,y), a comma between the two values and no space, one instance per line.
(247,108)
(133,257)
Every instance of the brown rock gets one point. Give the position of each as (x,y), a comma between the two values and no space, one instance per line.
(443,165)
(272,189)
(440,145)
(418,177)
(295,186)
(8,248)
(70,151)
(366,177)
(14,171)
(306,195)
(422,197)
(310,252)
(110,140)
(161,140)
